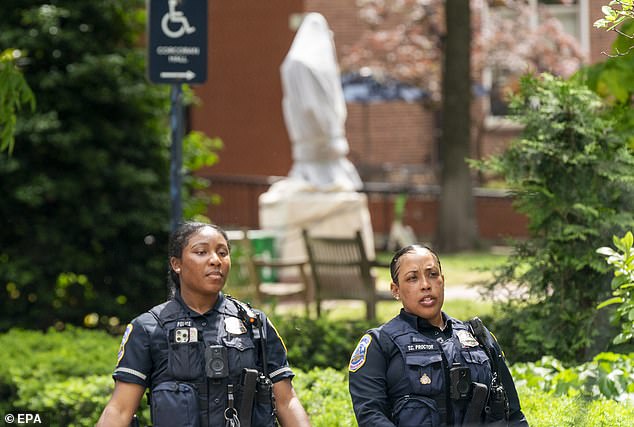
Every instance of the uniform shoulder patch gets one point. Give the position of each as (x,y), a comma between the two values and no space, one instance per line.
(124,340)
(278,334)
(496,341)
(357,360)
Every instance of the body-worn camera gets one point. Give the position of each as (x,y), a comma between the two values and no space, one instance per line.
(216,363)
(459,382)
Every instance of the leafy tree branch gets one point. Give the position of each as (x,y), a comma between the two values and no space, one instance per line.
(15,94)
(617,12)
(622,261)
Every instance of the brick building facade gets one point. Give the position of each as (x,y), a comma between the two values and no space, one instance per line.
(389,142)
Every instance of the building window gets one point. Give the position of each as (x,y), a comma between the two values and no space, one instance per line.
(529,36)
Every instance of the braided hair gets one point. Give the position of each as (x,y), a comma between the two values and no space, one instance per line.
(395,264)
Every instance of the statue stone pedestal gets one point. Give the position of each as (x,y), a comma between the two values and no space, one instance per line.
(321,213)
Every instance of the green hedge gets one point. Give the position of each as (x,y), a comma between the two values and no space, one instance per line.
(607,376)
(320,343)
(66,375)
(547,410)
(324,394)
(34,358)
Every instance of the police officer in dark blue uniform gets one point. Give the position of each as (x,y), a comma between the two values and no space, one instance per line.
(425,368)
(207,359)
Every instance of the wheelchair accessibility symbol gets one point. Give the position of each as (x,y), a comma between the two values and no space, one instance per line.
(174,23)
(177,41)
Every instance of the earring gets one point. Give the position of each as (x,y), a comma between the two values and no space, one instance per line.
(177,270)
(396,297)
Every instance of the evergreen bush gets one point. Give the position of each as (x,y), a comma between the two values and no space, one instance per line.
(572,174)
(85,204)
(86,189)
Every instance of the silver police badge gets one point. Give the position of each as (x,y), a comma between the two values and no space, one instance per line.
(234,326)
(466,339)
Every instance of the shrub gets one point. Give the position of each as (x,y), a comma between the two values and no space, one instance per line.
(320,343)
(66,376)
(73,402)
(34,358)
(324,394)
(607,376)
(622,261)
(573,177)
(545,410)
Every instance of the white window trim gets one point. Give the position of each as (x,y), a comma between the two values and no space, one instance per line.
(492,122)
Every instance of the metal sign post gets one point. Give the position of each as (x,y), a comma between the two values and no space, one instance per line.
(177,54)
(176,151)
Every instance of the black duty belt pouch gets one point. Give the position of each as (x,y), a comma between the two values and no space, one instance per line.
(263,415)
(175,404)
(416,411)
(497,409)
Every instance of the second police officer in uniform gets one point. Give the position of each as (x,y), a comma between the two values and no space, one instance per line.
(425,368)
(207,359)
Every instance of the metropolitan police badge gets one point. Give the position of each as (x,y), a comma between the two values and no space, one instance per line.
(357,359)
(234,326)
(466,339)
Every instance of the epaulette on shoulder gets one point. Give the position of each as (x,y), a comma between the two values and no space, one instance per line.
(236,302)
(165,312)
(382,338)
(248,315)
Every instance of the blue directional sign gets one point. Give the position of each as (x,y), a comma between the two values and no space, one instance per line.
(177,44)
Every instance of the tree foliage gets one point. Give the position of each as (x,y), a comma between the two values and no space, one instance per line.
(573,177)
(199,151)
(404,41)
(411,41)
(85,194)
(622,261)
(615,13)
(613,79)
(14,94)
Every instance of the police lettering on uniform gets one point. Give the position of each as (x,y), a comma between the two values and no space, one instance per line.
(425,368)
(206,358)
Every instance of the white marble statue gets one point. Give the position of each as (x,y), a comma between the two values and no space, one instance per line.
(320,192)
(315,113)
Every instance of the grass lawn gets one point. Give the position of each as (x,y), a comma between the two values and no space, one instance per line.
(462,269)
(465,268)
(462,309)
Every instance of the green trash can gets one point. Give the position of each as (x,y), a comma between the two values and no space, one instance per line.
(263,243)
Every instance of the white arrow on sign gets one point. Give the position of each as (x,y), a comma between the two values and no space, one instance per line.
(187,75)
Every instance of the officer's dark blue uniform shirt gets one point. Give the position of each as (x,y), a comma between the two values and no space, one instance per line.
(175,372)
(399,373)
